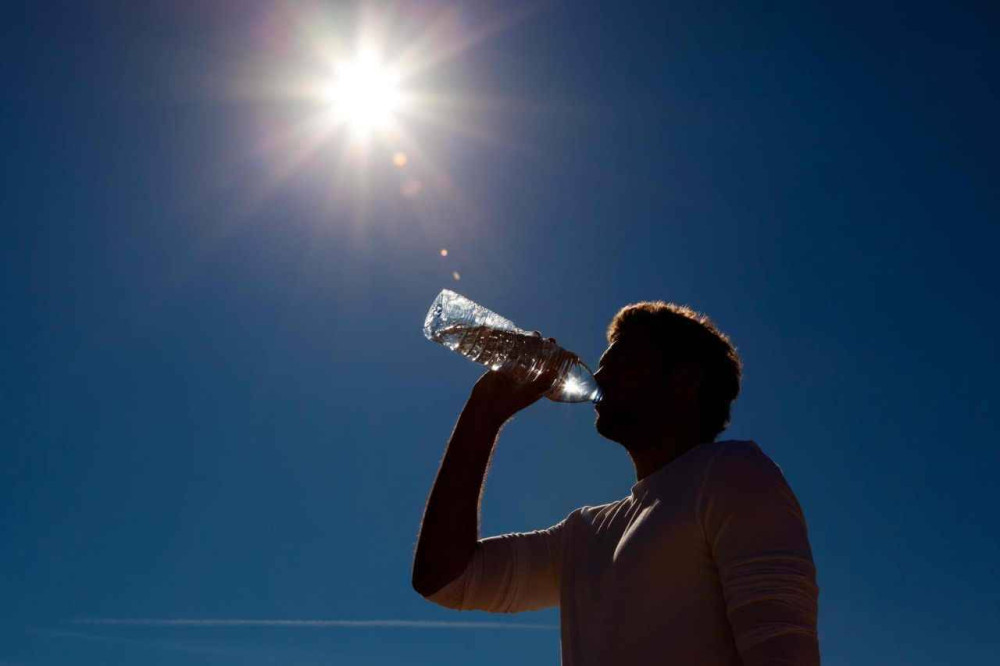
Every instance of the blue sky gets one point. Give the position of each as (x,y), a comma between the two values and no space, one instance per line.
(216,400)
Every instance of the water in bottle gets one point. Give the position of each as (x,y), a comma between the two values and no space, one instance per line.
(485,337)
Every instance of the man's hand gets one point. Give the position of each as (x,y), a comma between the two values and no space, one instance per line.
(501,396)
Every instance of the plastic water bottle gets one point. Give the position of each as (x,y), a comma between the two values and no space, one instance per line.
(487,338)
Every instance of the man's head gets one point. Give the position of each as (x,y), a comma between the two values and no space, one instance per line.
(667,371)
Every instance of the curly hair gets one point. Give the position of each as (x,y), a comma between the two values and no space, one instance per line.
(684,334)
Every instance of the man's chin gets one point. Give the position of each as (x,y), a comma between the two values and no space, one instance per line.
(606,428)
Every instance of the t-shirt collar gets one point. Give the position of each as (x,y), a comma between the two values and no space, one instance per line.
(643,485)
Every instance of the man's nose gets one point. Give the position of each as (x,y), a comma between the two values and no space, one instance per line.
(601,378)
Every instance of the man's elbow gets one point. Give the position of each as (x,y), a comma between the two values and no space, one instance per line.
(447,596)
(440,580)
(423,587)
(443,591)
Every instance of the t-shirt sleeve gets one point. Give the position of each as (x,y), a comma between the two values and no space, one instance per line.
(509,573)
(758,538)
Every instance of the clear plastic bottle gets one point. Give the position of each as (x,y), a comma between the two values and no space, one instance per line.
(485,337)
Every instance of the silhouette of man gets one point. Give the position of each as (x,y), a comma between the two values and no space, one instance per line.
(706,562)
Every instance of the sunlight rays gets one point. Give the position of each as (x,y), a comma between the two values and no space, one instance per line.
(361,109)
(354,91)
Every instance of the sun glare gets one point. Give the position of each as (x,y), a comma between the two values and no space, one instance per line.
(365,94)
(357,98)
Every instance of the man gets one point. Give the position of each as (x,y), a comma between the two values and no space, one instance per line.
(706,562)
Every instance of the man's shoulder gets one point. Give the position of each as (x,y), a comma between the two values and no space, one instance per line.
(738,447)
(740,453)
(741,463)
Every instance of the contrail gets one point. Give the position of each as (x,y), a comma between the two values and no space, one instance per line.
(119,640)
(420,624)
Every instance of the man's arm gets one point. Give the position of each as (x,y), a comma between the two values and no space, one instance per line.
(449,533)
(759,541)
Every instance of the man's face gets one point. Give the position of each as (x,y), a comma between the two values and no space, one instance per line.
(633,384)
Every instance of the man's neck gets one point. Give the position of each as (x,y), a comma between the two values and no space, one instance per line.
(649,459)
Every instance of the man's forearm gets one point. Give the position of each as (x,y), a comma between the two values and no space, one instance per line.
(450,528)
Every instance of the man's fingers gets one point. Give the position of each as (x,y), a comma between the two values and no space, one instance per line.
(548,376)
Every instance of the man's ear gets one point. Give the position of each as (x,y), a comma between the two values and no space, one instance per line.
(686,379)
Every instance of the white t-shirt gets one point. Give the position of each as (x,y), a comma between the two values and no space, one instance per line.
(706,562)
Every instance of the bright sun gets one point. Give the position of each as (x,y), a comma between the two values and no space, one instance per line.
(365,94)
(359,100)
